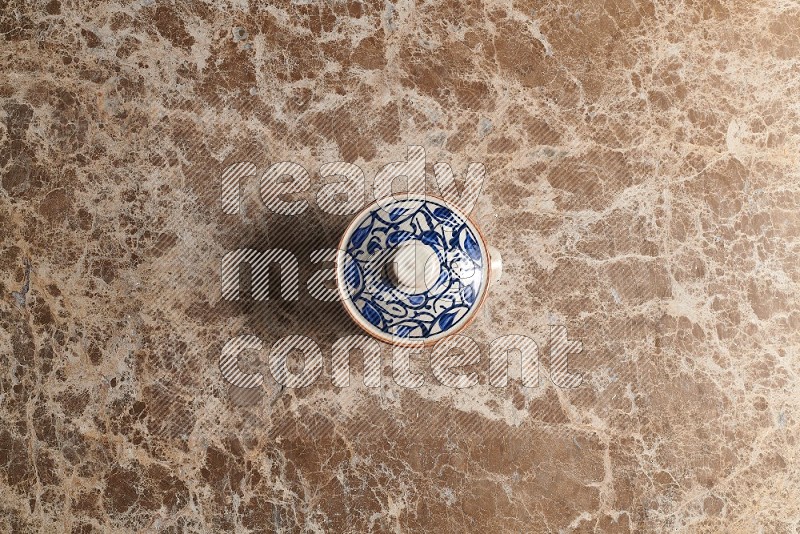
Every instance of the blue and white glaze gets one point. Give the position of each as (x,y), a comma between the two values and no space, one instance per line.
(397,314)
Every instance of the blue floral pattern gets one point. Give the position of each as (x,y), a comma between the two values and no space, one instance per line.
(447,303)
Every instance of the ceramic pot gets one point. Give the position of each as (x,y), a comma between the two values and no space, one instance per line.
(414,270)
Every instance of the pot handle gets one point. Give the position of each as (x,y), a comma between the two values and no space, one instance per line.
(495,265)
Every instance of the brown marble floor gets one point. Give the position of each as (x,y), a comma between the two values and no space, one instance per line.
(642,182)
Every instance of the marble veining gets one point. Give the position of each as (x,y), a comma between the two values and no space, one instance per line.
(642,169)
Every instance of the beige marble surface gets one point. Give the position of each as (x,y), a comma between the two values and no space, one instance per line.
(642,184)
